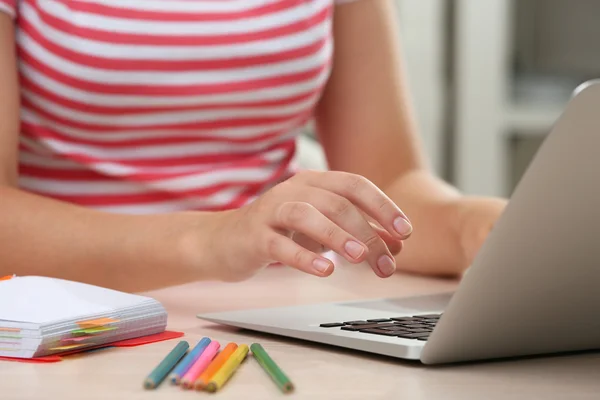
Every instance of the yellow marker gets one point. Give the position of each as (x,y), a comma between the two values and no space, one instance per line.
(219,379)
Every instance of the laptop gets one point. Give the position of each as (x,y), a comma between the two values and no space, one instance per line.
(533,289)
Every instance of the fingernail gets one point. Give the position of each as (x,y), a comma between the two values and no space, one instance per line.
(354,249)
(321,265)
(386,265)
(402,226)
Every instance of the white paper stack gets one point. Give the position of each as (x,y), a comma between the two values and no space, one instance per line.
(41,316)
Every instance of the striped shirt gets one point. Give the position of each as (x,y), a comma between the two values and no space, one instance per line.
(149,106)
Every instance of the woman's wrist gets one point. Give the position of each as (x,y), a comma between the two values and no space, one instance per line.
(202,248)
(167,249)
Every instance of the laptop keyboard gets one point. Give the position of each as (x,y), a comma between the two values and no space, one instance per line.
(417,327)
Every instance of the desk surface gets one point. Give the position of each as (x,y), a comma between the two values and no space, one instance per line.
(319,372)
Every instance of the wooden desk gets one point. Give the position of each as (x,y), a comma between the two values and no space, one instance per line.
(319,372)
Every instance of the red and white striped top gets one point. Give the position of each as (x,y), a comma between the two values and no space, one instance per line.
(146,106)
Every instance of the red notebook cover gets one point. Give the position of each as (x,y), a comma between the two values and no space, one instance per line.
(159,337)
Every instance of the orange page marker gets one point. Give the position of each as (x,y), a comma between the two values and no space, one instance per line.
(4,329)
(96,323)
(214,366)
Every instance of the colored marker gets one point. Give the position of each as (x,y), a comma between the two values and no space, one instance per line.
(162,370)
(271,368)
(214,366)
(226,372)
(182,368)
(200,365)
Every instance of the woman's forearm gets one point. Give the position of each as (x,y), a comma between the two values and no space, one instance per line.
(40,236)
(47,237)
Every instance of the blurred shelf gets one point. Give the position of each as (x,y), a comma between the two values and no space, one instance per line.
(531,118)
(515,65)
(537,102)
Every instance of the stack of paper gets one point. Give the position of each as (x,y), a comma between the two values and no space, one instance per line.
(41,316)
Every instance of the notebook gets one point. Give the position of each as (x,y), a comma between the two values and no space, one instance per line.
(41,316)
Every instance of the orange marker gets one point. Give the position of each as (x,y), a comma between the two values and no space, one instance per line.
(214,366)
(96,323)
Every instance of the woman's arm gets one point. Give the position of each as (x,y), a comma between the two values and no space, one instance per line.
(52,238)
(366,126)
(47,237)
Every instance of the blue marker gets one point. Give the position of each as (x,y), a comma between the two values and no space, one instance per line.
(188,361)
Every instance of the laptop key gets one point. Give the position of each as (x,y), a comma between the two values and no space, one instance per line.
(405,319)
(409,325)
(423,338)
(331,325)
(420,330)
(354,328)
(379,320)
(428,316)
(396,331)
(378,326)
(379,332)
(356,323)
(395,327)
(351,328)
(417,326)
(412,335)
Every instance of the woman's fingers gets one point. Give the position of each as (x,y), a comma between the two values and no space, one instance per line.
(304,218)
(364,194)
(393,244)
(287,252)
(333,210)
(309,243)
(347,216)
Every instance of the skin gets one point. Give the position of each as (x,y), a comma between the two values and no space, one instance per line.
(363,111)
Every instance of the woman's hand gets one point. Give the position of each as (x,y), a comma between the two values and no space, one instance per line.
(312,210)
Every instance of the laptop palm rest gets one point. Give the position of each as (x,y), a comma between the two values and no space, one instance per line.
(405,305)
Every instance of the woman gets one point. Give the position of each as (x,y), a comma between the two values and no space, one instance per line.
(155,140)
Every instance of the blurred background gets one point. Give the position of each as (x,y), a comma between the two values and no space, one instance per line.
(488,79)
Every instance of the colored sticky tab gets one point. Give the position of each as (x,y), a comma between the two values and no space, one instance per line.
(3,329)
(93,331)
(11,337)
(71,346)
(140,341)
(95,323)
(37,360)
(76,339)
(157,337)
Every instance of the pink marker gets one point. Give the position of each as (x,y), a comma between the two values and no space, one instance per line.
(187,382)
